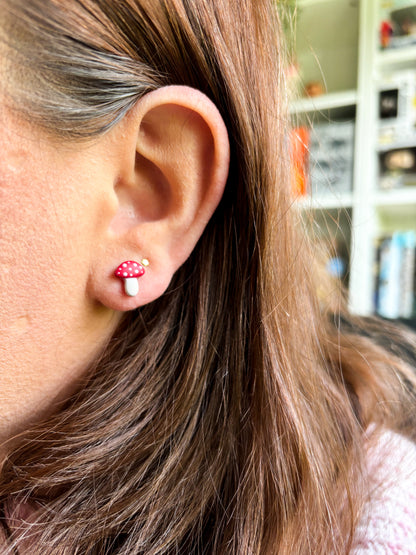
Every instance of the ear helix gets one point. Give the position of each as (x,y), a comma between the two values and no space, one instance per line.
(130,272)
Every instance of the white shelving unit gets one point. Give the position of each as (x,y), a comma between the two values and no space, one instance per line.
(396,58)
(325,102)
(337,44)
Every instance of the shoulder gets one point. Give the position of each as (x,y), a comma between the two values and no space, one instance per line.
(388,525)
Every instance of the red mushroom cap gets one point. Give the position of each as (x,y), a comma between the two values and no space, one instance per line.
(129,269)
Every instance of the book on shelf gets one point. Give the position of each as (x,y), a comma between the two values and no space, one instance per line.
(395,275)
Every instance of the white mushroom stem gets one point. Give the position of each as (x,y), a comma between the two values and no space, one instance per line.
(131,286)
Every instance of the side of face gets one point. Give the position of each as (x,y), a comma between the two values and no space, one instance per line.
(71,212)
(51,210)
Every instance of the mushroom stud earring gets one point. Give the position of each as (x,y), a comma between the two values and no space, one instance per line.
(129,271)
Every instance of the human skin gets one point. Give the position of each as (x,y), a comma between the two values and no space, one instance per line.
(71,212)
(51,209)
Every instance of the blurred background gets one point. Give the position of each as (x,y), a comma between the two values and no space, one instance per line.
(352,76)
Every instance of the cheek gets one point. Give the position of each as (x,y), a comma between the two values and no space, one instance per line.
(43,240)
(51,210)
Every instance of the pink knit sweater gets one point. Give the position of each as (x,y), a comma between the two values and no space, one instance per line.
(389,525)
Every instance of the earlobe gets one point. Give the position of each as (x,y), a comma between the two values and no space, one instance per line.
(171,157)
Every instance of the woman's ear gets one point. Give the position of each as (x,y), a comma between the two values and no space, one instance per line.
(169,157)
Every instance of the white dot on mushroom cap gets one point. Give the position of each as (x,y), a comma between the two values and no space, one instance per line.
(125,274)
(124,265)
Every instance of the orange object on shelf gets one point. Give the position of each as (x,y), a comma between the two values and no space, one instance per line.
(386,32)
(300,160)
(314,88)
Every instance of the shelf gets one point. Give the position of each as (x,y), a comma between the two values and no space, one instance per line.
(327,202)
(310,3)
(396,145)
(396,58)
(337,46)
(326,44)
(396,209)
(325,102)
(406,196)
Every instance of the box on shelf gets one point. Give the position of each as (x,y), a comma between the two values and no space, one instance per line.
(397,108)
(397,168)
(331,155)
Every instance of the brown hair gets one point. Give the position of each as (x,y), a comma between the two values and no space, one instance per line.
(228,416)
